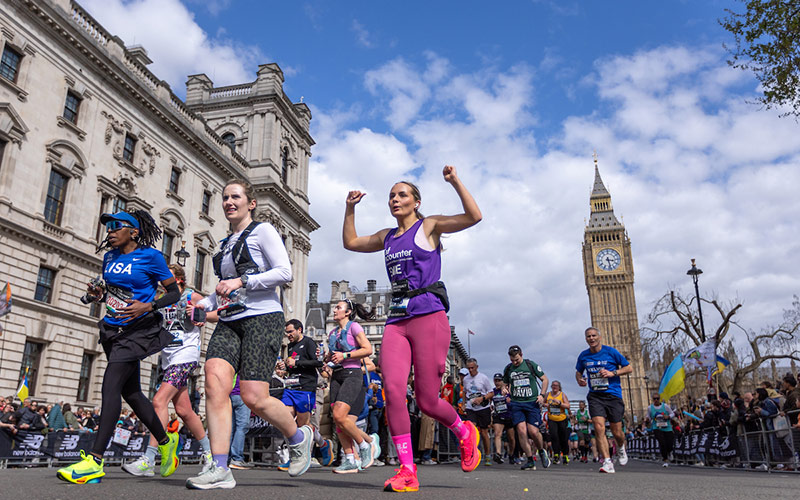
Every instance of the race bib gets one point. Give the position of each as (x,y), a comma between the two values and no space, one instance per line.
(398,307)
(177,337)
(229,306)
(117,299)
(661,424)
(580,427)
(555,411)
(291,382)
(500,408)
(598,383)
(521,388)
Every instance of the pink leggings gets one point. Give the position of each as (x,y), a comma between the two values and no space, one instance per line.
(423,341)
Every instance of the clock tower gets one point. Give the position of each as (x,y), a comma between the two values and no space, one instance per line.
(608,269)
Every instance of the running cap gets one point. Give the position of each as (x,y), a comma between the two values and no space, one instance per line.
(498,376)
(514,350)
(463,371)
(120,216)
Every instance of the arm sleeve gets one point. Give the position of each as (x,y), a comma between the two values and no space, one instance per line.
(276,258)
(621,361)
(209,303)
(173,295)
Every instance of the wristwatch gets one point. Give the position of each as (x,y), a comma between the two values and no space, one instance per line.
(244,279)
(153,306)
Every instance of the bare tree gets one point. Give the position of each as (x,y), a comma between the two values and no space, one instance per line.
(674,323)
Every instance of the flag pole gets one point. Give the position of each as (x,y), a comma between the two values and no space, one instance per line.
(469,349)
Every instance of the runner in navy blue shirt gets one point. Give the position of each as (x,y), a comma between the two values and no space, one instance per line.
(603,365)
(131,330)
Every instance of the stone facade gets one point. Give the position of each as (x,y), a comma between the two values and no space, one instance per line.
(86,128)
(319,318)
(608,269)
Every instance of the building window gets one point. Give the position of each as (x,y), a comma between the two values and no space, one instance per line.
(130,146)
(174,179)
(230,140)
(205,207)
(285,164)
(199,270)
(44,285)
(369,299)
(94,309)
(344,295)
(167,242)
(2,151)
(101,228)
(85,376)
(379,309)
(71,106)
(30,365)
(120,205)
(153,379)
(9,65)
(54,203)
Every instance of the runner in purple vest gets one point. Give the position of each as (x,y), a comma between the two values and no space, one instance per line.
(417,328)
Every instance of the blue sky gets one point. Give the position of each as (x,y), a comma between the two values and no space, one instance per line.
(517,97)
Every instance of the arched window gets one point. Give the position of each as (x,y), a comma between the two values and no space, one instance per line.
(230,140)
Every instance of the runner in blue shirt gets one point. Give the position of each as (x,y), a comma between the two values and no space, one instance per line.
(131,330)
(603,365)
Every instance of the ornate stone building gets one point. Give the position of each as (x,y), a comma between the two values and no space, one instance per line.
(87,128)
(319,317)
(608,269)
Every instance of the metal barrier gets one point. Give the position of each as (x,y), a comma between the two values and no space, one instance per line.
(773,446)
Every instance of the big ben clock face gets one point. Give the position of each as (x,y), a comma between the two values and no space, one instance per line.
(608,259)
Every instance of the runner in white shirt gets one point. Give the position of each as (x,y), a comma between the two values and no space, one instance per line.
(479,391)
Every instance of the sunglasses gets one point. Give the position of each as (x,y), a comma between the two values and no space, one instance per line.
(116,225)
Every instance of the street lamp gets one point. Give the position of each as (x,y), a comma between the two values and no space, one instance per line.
(694,272)
(181,255)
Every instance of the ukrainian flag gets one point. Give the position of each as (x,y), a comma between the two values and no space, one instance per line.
(673,380)
(22,392)
(721,364)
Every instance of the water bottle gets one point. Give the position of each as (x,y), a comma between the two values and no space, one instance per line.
(321,353)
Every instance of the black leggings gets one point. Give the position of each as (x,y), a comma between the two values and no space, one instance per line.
(665,441)
(560,435)
(122,379)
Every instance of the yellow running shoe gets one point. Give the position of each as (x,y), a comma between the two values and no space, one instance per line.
(169,454)
(85,471)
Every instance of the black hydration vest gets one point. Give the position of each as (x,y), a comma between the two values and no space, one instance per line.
(241,255)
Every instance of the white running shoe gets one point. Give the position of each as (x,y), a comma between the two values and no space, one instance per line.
(141,467)
(608,467)
(622,455)
(300,453)
(665,464)
(213,478)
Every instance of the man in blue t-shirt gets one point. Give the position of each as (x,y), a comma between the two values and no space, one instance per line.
(603,365)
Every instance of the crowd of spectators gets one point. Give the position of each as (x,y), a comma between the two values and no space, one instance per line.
(768,414)
(31,416)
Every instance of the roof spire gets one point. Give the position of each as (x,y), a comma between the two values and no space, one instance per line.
(599,188)
(602,212)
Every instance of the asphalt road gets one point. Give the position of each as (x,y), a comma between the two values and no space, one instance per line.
(639,480)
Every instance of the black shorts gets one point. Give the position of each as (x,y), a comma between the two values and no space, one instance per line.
(607,406)
(505,422)
(347,386)
(481,418)
(136,340)
(251,345)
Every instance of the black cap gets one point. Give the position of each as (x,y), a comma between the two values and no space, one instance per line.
(498,376)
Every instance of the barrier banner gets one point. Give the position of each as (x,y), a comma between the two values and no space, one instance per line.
(261,428)
(67,445)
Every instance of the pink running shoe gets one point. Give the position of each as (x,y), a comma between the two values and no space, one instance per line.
(405,480)
(470,453)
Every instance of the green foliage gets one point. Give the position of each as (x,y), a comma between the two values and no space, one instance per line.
(767,39)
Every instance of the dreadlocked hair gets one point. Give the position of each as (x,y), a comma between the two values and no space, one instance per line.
(149,232)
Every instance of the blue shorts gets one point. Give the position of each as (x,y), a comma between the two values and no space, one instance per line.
(302,401)
(525,412)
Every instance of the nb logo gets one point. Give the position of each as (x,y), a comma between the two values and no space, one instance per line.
(33,441)
(135,443)
(70,442)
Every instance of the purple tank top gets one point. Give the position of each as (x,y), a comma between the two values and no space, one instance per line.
(406,260)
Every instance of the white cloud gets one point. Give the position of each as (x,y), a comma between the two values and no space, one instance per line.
(177,45)
(694,171)
(362,35)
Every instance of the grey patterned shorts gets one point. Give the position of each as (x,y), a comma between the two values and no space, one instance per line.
(251,345)
(178,375)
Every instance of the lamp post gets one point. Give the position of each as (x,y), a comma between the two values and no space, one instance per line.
(694,272)
(181,255)
(630,400)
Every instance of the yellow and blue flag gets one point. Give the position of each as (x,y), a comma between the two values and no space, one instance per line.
(672,382)
(22,392)
(5,302)
(722,363)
